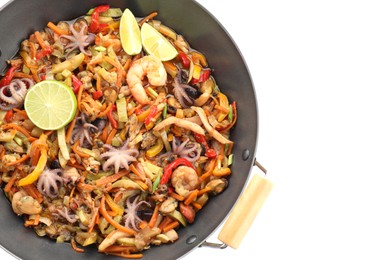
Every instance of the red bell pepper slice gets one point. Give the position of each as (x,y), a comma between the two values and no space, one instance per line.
(46,51)
(9,75)
(95,25)
(8,116)
(152,113)
(210,153)
(76,82)
(184,60)
(170,167)
(204,75)
(97,94)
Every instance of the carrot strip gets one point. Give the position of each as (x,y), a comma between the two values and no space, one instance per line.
(143,185)
(75,248)
(19,129)
(79,94)
(40,40)
(166,221)
(191,197)
(105,112)
(19,74)
(76,151)
(203,191)
(70,128)
(196,205)
(98,82)
(29,223)
(111,136)
(33,192)
(128,256)
(209,171)
(20,160)
(103,211)
(11,182)
(176,196)
(105,133)
(133,169)
(56,29)
(111,178)
(33,50)
(153,219)
(170,226)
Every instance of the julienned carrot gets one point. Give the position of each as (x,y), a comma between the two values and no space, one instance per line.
(75,248)
(170,226)
(70,129)
(196,205)
(176,196)
(20,160)
(98,82)
(111,136)
(79,94)
(11,182)
(40,40)
(191,197)
(203,191)
(33,192)
(166,221)
(135,170)
(19,74)
(105,112)
(56,29)
(143,185)
(20,129)
(128,256)
(154,217)
(209,171)
(77,151)
(111,178)
(103,211)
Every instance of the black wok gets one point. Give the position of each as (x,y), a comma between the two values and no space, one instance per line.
(20,18)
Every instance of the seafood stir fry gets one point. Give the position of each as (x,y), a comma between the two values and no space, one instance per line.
(147,148)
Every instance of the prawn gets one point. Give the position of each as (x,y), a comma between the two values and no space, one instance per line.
(184,179)
(146,66)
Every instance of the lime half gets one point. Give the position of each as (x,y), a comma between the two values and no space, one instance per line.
(156,44)
(50,104)
(129,33)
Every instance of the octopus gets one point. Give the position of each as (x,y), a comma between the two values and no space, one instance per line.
(64,212)
(12,95)
(118,157)
(130,218)
(184,93)
(49,182)
(188,150)
(79,39)
(82,130)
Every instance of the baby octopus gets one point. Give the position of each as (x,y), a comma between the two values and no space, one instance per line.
(82,130)
(12,95)
(79,39)
(188,150)
(119,157)
(49,182)
(131,219)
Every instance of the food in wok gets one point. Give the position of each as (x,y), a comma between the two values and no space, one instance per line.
(113,132)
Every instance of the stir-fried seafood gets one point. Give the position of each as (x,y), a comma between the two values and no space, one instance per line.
(148,146)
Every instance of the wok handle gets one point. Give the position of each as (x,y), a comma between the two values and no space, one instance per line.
(245,211)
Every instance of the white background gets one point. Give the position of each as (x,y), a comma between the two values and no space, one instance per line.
(321,72)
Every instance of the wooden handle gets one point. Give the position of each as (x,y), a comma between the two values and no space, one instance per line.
(245,211)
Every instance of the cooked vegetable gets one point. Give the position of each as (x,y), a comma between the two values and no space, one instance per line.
(148,146)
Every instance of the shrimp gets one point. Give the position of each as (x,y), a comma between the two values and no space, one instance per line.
(184,180)
(146,66)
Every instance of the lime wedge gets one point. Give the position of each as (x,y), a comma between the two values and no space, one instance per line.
(50,104)
(129,33)
(156,44)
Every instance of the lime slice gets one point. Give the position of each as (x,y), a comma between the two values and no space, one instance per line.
(156,44)
(50,104)
(129,33)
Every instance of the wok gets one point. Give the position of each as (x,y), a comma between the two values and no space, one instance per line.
(20,18)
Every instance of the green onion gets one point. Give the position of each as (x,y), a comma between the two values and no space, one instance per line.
(230,115)
(164,112)
(230,159)
(152,92)
(156,183)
